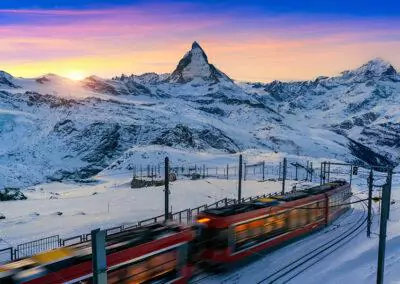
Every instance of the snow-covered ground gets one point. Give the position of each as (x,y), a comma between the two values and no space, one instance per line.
(108,203)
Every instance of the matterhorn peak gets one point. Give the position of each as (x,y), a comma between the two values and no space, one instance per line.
(194,66)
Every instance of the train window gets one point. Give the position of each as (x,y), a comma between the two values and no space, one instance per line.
(256,227)
(293,219)
(153,267)
(215,238)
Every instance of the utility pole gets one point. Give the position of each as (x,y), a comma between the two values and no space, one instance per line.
(263,169)
(284,175)
(351,174)
(320,174)
(329,171)
(99,259)
(370,186)
(240,179)
(382,233)
(389,183)
(166,189)
(306,171)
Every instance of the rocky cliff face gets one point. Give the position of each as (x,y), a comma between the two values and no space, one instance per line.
(194,66)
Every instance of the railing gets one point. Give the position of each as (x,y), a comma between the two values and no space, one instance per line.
(72,240)
(6,254)
(33,247)
(151,220)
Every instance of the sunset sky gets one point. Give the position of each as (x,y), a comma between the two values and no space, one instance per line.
(248,40)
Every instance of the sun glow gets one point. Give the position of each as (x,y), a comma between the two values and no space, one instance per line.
(75,75)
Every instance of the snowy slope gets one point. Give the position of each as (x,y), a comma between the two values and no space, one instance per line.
(53,128)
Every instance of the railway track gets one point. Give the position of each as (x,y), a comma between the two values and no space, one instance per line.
(305,261)
(301,264)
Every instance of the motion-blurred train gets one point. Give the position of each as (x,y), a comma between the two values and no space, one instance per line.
(169,253)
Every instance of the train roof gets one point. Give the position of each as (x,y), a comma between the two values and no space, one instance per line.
(241,208)
(323,188)
(271,200)
(291,196)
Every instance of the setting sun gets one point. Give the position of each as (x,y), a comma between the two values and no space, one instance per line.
(76,75)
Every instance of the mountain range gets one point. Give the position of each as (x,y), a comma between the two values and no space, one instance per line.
(53,128)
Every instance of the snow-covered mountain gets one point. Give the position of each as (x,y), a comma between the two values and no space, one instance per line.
(194,67)
(55,128)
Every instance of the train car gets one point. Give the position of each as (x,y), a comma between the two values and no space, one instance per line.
(156,253)
(233,233)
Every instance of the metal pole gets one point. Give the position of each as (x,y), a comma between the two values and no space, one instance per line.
(166,189)
(382,234)
(99,259)
(329,171)
(320,174)
(284,175)
(311,172)
(351,174)
(306,171)
(245,171)
(295,178)
(240,178)
(263,170)
(370,185)
(204,171)
(389,183)
(279,173)
(227,171)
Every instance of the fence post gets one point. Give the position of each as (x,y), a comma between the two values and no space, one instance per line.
(240,178)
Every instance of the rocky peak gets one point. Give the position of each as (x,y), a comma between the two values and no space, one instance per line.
(374,68)
(194,66)
(6,79)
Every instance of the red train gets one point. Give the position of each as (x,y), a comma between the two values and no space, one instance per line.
(166,253)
